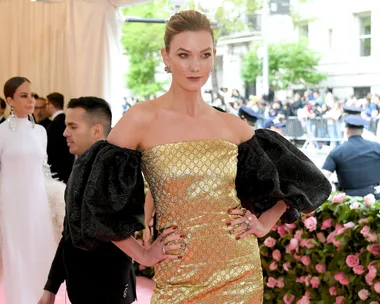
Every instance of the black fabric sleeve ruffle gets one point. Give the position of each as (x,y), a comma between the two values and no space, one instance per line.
(270,168)
(105,196)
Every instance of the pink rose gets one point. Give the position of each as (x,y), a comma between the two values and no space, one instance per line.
(280,283)
(321,268)
(315,282)
(332,291)
(308,293)
(364,221)
(363,294)
(307,280)
(369,199)
(306,260)
(327,224)
(276,255)
(287,266)
(293,244)
(374,249)
(288,299)
(307,243)
(352,261)
(349,225)
(273,266)
(291,226)
(358,269)
(297,257)
(355,205)
(339,300)
(271,282)
(338,198)
(301,279)
(321,237)
(377,287)
(270,242)
(331,237)
(303,300)
(281,230)
(365,231)
(372,237)
(298,235)
(311,223)
(337,243)
(341,278)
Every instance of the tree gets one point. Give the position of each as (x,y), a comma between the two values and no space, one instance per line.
(142,43)
(289,63)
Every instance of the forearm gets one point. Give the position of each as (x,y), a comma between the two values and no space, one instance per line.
(133,249)
(270,217)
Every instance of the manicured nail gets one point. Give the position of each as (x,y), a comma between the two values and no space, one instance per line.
(175,228)
(228,223)
(180,256)
(238,237)
(182,236)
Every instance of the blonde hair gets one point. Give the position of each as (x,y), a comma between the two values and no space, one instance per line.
(184,21)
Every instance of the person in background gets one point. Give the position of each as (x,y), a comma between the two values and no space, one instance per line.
(40,113)
(26,225)
(103,275)
(275,125)
(59,157)
(356,161)
(248,115)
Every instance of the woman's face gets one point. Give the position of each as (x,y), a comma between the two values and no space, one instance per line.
(190,58)
(23,100)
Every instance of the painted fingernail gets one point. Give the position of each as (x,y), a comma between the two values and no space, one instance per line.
(238,237)
(175,228)
(228,223)
(182,236)
(180,256)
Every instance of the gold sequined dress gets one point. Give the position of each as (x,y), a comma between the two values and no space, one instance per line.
(193,186)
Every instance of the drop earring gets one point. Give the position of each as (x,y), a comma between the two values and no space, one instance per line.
(167,69)
(12,120)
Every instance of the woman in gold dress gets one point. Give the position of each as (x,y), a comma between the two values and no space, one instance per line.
(201,166)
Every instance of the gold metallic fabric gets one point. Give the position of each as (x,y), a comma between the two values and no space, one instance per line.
(193,186)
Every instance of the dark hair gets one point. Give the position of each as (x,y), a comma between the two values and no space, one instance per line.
(184,21)
(3,105)
(98,110)
(12,84)
(57,100)
(40,98)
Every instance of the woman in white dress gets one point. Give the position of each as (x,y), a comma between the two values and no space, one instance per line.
(27,235)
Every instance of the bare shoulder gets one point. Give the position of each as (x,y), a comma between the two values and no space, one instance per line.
(238,126)
(129,130)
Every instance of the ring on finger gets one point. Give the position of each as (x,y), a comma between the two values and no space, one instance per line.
(248,226)
(244,211)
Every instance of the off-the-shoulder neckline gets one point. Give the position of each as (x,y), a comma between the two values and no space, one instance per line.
(193,141)
(197,141)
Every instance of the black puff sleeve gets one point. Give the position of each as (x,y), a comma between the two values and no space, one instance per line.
(105,196)
(270,168)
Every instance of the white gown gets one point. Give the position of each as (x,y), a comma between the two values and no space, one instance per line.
(27,236)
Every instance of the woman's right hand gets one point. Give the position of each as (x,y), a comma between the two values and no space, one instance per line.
(163,246)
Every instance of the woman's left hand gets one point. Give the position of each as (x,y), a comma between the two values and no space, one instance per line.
(246,224)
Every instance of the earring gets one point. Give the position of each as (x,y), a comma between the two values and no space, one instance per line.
(12,120)
(167,69)
(31,118)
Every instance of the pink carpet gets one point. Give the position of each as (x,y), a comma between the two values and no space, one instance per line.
(144,292)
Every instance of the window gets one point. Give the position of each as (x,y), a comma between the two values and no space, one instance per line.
(303,31)
(365,35)
(361,92)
